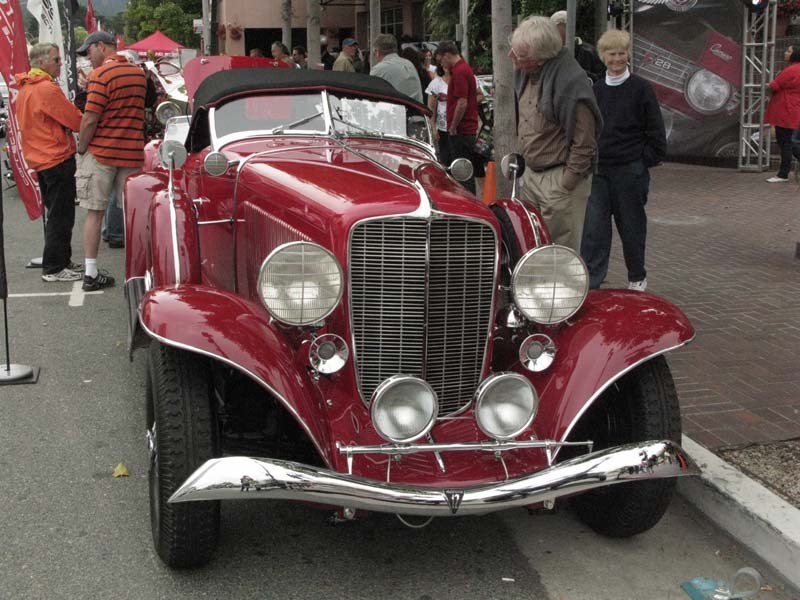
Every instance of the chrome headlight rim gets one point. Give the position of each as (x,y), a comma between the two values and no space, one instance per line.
(304,322)
(521,264)
(380,393)
(481,395)
(165,106)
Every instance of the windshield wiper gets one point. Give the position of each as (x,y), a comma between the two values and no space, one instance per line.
(361,127)
(282,128)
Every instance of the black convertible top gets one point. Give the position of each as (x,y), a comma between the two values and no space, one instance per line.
(233,82)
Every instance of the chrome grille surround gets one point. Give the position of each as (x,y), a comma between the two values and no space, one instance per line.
(421,293)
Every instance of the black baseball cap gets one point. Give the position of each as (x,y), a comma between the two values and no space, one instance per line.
(93,38)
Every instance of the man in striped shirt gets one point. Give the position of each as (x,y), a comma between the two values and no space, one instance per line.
(111,140)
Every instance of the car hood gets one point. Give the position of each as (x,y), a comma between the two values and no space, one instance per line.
(323,182)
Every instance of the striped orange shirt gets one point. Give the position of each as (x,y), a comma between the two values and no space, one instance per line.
(116,91)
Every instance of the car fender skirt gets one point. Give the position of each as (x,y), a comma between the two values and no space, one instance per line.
(236,332)
(241,478)
(614,332)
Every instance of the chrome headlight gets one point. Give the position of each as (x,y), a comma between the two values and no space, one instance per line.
(707,92)
(550,284)
(505,405)
(300,283)
(166,110)
(403,408)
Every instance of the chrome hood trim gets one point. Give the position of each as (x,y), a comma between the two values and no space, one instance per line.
(241,478)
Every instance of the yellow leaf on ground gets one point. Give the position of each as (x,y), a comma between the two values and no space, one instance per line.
(120,471)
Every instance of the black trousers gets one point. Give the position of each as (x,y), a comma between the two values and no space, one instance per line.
(463,146)
(58,193)
(618,192)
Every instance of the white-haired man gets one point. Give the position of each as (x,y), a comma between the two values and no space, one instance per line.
(558,125)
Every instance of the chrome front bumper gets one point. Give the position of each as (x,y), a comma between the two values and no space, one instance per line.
(241,478)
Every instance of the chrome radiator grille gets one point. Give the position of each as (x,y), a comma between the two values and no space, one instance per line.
(421,299)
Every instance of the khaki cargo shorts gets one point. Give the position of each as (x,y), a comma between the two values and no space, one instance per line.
(95,181)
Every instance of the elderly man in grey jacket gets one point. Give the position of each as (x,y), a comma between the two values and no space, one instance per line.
(558,126)
(396,70)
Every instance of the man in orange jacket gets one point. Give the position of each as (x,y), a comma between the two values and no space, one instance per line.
(47,120)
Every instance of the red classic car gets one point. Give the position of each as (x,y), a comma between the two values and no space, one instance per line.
(331,318)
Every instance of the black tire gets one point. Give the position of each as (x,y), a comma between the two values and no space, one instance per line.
(182,433)
(642,406)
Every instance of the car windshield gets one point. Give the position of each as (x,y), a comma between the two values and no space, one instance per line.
(270,114)
(366,117)
(304,113)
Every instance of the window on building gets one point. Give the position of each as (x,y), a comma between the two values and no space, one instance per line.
(392,21)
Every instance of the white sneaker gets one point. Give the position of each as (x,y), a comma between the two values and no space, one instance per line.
(638,286)
(62,275)
(777,180)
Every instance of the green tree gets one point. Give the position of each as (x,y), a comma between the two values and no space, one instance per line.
(173,19)
(442,17)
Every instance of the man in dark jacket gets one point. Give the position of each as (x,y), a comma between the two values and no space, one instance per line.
(585,53)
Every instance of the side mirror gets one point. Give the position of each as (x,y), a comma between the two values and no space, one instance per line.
(461,169)
(176,150)
(512,166)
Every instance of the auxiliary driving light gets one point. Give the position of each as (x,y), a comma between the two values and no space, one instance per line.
(537,352)
(505,405)
(403,408)
(328,354)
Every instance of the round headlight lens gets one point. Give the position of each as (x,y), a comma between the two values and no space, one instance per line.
(550,284)
(403,408)
(166,110)
(505,405)
(707,92)
(300,283)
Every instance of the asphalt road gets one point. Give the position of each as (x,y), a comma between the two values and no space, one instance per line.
(70,530)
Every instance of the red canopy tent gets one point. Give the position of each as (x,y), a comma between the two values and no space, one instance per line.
(158,43)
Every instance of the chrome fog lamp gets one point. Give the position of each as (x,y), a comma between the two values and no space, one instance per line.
(166,110)
(550,284)
(300,283)
(505,405)
(707,92)
(328,354)
(403,408)
(537,352)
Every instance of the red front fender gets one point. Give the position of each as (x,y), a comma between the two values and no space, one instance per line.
(614,331)
(226,327)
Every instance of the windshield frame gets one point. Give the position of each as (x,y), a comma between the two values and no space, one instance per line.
(217,143)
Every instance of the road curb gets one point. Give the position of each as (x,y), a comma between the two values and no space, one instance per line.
(756,517)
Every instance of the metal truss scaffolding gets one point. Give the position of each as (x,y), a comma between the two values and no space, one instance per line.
(758,63)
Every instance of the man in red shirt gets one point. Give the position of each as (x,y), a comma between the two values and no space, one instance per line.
(462,105)
(111,140)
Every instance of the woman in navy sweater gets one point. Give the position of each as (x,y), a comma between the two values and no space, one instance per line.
(632,141)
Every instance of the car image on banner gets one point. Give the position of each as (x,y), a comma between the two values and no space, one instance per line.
(690,50)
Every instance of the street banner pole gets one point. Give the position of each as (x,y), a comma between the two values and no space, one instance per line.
(10,373)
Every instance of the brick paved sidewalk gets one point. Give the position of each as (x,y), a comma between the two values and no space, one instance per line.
(721,245)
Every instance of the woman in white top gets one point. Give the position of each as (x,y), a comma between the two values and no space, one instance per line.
(437,102)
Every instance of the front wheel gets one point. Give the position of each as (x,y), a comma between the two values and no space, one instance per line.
(181,434)
(641,406)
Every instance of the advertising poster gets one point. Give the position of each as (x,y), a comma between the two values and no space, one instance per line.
(691,51)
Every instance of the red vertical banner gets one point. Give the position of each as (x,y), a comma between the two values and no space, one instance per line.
(91,21)
(14,59)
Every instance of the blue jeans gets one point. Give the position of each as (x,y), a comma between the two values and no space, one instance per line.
(113,228)
(620,192)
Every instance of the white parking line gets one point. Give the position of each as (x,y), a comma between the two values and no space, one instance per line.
(76,296)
